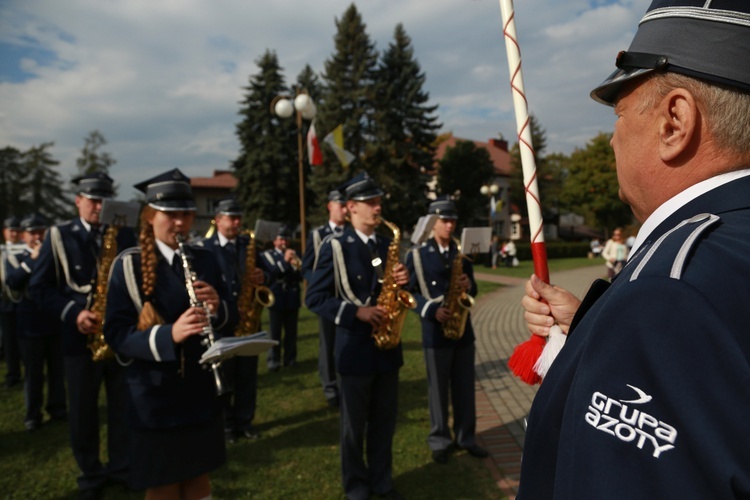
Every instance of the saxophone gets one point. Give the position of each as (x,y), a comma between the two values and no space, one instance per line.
(393,299)
(100,351)
(253,298)
(457,301)
(208,330)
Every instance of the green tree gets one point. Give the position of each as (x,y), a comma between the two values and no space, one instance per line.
(591,187)
(348,78)
(463,170)
(402,154)
(92,159)
(11,182)
(546,178)
(43,184)
(266,167)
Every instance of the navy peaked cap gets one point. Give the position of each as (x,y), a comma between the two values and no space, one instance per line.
(96,185)
(12,222)
(284,232)
(361,188)
(705,39)
(444,208)
(336,195)
(34,222)
(169,191)
(229,206)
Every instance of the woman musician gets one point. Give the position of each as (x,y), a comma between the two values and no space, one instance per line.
(174,412)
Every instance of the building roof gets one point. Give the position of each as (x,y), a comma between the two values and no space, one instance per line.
(497,148)
(223,179)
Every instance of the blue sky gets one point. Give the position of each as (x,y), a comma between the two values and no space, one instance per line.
(162,80)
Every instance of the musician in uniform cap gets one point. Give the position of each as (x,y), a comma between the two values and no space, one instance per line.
(649,397)
(327,331)
(38,334)
(284,266)
(64,282)
(241,373)
(449,361)
(344,289)
(174,412)
(9,302)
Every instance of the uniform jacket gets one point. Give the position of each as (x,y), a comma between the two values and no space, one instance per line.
(64,282)
(335,293)
(31,320)
(161,396)
(650,397)
(233,271)
(285,281)
(429,280)
(312,249)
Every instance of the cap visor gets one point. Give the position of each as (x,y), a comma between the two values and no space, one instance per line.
(173,205)
(606,92)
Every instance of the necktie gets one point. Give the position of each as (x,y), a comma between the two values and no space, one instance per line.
(231,250)
(377,262)
(339,230)
(177,265)
(94,239)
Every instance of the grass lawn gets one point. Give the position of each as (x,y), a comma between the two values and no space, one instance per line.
(525,268)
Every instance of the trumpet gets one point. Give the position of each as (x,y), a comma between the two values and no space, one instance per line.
(295,262)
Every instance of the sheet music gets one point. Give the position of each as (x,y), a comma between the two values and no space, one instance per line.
(229,347)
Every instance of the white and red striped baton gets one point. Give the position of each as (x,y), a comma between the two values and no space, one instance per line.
(524,362)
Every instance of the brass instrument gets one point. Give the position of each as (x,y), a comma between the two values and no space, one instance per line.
(393,299)
(100,351)
(211,229)
(457,301)
(208,330)
(253,298)
(296,262)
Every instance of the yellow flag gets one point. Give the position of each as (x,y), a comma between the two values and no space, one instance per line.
(335,139)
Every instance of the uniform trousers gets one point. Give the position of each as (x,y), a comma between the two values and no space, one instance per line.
(84,377)
(239,405)
(450,378)
(11,349)
(369,407)
(286,319)
(38,352)
(326,358)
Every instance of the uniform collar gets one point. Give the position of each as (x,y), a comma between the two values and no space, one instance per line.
(166,251)
(364,237)
(223,240)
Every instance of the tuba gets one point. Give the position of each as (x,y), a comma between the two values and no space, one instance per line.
(253,298)
(393,299)
(457,301)
(100,351)
(208,331)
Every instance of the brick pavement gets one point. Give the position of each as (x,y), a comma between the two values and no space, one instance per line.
(502,400)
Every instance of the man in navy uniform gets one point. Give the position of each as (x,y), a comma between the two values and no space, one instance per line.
(450,362)
(283,264)
(9,303)
(38,334)
(64,283)
(241,372)
(344,289)
(650,396)
(326,336)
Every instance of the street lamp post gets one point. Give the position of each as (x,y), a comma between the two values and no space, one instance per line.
(304,107)
(489,190)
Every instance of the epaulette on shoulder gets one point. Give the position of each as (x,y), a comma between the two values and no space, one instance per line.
(672,250)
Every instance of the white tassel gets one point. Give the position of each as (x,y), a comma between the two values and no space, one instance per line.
(552,348)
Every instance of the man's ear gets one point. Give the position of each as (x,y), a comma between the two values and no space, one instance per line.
(678,120)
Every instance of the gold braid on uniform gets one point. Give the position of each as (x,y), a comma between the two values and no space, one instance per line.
(149,316)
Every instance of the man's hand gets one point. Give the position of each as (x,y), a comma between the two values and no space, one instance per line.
(401,275)
(464,283)
(546,305)
(191,322)
(442,314)
(371,314)
(257,277)
(87,322)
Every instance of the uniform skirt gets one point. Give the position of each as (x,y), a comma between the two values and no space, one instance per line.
(159,457)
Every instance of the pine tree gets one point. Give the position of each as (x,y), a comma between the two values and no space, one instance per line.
(348,79)
(92,159)
(11,182)
(402,154)
(464,169)
(43,184)
(266,168)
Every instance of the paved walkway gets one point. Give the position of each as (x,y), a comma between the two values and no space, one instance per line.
(503,401)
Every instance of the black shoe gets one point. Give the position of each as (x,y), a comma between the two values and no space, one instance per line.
(477,451)
(393,495)
(333,402)
(59,418)
(274,368)
(90,494)
(250,433)
(229,436)
(440,456)
(32,425)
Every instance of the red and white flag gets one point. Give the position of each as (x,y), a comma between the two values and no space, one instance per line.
(314,153)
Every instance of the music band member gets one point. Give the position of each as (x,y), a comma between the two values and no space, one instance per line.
(174,413)
(64,283)
(283,264)
(449,361)
(327,330)
(9,302)
(241,372)
(344,289)
(38,334)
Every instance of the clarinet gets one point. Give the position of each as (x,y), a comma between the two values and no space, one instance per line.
(208,330)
